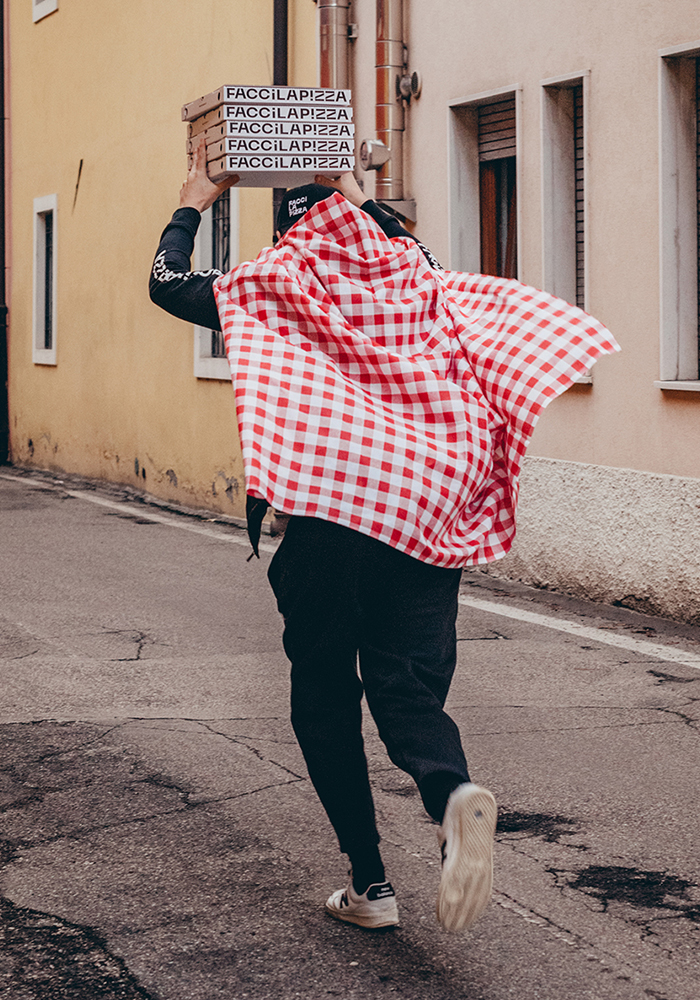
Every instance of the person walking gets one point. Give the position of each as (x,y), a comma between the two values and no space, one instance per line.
(384,406)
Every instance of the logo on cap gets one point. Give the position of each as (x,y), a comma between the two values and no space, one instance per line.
(297,206)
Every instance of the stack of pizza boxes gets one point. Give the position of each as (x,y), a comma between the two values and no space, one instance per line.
(273,136)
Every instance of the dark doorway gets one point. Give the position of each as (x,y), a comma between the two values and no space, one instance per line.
(497,193)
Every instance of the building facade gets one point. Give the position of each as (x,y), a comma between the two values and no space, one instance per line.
(558,143)
(101,382)
(552,142)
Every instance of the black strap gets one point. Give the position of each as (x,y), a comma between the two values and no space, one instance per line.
(255,510)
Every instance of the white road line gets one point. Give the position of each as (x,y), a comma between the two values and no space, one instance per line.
(144,513)
(668,653)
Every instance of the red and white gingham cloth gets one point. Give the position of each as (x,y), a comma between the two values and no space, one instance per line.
(376,392)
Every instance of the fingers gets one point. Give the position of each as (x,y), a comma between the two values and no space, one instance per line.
(347,178)
(347,185)
(320,179)
(198,163)
(224,185)
(199,160)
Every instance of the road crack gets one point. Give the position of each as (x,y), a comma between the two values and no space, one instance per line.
(243,741)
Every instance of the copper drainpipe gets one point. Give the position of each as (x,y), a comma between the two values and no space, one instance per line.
(4,408)
(389,109)
(333,39)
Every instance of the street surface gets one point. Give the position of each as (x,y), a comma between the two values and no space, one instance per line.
(159,837)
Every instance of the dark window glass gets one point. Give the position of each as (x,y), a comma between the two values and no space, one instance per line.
(48,280)
(220,232)
(220,256)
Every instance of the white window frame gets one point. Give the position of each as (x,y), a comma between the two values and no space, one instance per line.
(559,189)
(678,223)
(42,8)
(559,185)
(206,366)
(464,221)
(40,354)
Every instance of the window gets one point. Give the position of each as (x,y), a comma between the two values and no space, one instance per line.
(44,307)
(216,246)
(40,8)
(563,188)
(564,101)
(483,215)
(497,187)
(680,190)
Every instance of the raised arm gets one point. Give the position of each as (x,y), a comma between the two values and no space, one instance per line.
(187,294)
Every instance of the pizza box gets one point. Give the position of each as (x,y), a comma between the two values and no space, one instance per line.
(276,130)
(237,94)
(243,145)
(278,170)
(268,113)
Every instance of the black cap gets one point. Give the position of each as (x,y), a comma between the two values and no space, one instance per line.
(297,202)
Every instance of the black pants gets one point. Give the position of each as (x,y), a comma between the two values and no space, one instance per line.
(342,593)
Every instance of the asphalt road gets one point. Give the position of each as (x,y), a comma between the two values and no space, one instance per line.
(159,837)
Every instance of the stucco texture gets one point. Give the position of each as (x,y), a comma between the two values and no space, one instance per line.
(103,132)
(463,48)
(613,535)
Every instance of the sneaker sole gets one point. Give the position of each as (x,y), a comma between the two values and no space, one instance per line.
(369,923)
(467,874)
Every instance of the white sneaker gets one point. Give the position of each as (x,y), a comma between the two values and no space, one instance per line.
(374,908)
(466,839)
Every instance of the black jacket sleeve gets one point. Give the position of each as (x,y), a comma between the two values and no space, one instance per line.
(187,294)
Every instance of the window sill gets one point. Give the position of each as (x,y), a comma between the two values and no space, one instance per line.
(216,368)
(44,357)
(42,8)
(688,385)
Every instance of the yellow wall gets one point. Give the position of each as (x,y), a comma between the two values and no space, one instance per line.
(104,82)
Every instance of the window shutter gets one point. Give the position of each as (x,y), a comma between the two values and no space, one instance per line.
(497,129)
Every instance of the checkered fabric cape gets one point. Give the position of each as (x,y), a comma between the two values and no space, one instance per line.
(398,400)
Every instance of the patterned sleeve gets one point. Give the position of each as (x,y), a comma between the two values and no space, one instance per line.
(187,294)
(393,229)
